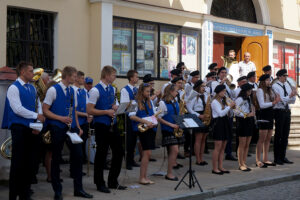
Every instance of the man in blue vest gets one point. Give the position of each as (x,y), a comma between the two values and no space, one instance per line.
(128,94)
(59,108)
(103,105)
(83,118)
(20,111)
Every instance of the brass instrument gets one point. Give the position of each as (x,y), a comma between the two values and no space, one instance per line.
(207,112)
(143,127)
(229,80)
(237,108)
(228,61)
(182,110)
(58,76)
(6,148)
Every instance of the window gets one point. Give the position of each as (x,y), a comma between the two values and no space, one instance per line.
(30,38)
(153,48)
(278,52)
(290,54)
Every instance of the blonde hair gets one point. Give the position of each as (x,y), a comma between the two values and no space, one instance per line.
(107,70)
(167,93)
(140,96)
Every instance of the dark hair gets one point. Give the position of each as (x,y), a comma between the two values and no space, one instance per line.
(179,65)
(266,90)
(243,94)
(131,73)
(140,97)
(80,73)
(107,70)
(22,65)
(68,71)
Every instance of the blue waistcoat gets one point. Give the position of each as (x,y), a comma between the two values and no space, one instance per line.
(168,117)
(61,105)
(105,102)
(28,101)
(130,92)
(141,114)
(81,107)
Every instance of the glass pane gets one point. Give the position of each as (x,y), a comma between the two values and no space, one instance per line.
(169,50)
(291,59)
(146,48)
(190,49)
(122,55)
(298,67)
(277,57)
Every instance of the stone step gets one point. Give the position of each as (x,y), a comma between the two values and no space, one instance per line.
(294,142)
(295,121)
(295,126)
(294,131)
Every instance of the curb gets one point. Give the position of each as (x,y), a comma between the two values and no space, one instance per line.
(236,188)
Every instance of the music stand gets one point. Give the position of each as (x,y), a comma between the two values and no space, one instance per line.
(182,121)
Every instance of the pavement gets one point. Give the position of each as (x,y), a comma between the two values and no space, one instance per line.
(212,185)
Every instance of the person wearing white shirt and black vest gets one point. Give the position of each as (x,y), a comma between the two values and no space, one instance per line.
(21,109)
(103,105)
(174,73)
(145,108)
(128,94)
(196,106)
(268,70)
(266,99)
(210,78)
(244,124)
(240,81)
(251,76)
(59,108)
(195,76)
(169,107)
(282,115)
(246,65)
(220,128)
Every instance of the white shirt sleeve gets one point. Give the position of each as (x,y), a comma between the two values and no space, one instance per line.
(162,107)
(190,106)
(239,102)
(261,99)
(15,103)
(50,96)
(217,109)
(124,96)
(94,96)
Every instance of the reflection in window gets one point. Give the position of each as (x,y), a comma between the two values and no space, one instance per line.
(122,56)
(291,59)
(277,57)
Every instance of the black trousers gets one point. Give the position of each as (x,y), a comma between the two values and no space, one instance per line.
(22,162)
(131,138)
(228,148)
(84,137)
(282,131)
(104,139)
(59,137)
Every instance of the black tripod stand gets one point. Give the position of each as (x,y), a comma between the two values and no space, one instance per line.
(190,171)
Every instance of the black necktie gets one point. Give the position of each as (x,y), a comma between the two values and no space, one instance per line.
(203,101)
(284,90)
(178,97)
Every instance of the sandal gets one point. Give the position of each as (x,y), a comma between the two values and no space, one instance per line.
(261,165)
(269,163)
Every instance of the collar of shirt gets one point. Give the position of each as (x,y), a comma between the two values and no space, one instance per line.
(75,87)
(280,83)
(130,86)
(21,81)
(62,86)
(103,84)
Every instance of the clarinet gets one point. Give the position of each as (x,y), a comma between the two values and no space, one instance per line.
(70,111)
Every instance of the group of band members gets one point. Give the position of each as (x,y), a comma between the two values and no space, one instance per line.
(68,106)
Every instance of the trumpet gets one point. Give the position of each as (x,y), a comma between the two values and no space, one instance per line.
(237,108)
(143,127)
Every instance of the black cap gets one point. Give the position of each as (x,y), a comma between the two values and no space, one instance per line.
(267,68)
(264,77)
(219,88)
(194,73)
(176,79)
(176,72)
(147,78)
(179,65)
(246,87)
(210,74)
(197,84)
(212,66)
(281,72)
(221,69)
(250,75)
(242,78)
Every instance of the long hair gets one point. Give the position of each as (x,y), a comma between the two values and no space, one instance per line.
(266,90)
(221,100)
(167,97)
(140,97)
(243,94)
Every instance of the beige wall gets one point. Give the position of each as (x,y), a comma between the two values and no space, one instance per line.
(286,37)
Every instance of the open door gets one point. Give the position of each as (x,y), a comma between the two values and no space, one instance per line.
(258,47)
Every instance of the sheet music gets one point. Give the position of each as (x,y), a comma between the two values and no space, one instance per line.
(190,123)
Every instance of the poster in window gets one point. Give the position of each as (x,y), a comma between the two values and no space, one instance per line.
(140,54)
(164,52)
(126,61)
(165,39)
(191,46)
(140,44)
(149,65)
(149,55)
(149,45)
(291,63)
(171,40)
(183,42)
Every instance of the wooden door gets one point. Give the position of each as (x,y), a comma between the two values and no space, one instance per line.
(218,49)
(258,47)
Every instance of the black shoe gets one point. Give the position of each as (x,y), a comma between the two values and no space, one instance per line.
(117,186)
(128,167)
(278,162)
(218,173)
(134,164)
(34,180)
(201,163)
(103,189)
(245,170)
(230,157)
(270,164)
(262,166)
(287,161)
(83,173)
(83,194)
(249,155)
(58,197)
(225,171)
(179,156)
(171,179)
(152,160)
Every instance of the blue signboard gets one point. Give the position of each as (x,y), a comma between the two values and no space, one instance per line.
(229,28)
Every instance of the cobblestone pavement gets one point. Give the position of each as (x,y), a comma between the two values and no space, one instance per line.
(282,191)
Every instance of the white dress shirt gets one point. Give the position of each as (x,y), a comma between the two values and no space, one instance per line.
(195,105)
(162,107)
(217,110)
(164,87)
(234,72)
(214,84)
(94,94)
(13,96)
(51,94)
(245,68)
(125,95)
(285,100)
(255,86)
(243,105)
(237,92)
(261,99)
(188,88)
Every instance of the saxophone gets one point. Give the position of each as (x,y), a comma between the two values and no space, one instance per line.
(182,110)
(207,112)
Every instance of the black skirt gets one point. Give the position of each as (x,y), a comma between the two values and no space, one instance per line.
(168,139)
(244,126)
(147,139)
(266,114)
(221,128)
(204,129)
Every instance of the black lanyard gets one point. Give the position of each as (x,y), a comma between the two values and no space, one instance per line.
(174,107)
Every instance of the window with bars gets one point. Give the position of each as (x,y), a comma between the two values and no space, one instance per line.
(30,38)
